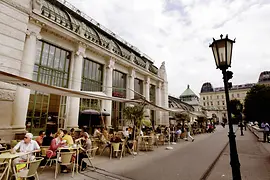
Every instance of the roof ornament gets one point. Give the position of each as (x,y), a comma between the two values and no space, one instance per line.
(36,6)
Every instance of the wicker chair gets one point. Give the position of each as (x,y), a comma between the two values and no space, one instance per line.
(66,159)
(3,169)
(30,169)
(91,153)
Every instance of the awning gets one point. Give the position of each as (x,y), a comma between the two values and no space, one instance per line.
(197,113)
(37,86)
(177,110)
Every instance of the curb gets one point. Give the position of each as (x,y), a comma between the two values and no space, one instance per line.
(209,169)
(251,130)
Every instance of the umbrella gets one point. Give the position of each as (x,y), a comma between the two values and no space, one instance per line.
(91,111)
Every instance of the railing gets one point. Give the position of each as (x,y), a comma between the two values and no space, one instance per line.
(82,14)
(258,132)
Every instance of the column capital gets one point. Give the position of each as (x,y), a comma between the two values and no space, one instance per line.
(111,63)
(147,80)
(33,30)
(81,50)
(159,84)
(132,73)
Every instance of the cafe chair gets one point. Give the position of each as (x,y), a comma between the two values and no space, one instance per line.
(115,147)
(91,153)
(3,169)
(65,159)
(29,169)
(49,159)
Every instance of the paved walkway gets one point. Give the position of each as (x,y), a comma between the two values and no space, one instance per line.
(187,161)
(254,159)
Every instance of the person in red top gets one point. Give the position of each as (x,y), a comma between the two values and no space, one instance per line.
(55,144)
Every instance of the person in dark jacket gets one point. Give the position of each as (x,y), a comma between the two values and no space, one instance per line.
(47,139)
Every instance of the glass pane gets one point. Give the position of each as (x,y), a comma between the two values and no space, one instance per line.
(57,58)
(51,57)
(45,54)
(229,51)
(67,65)
(38,52)
(62,60)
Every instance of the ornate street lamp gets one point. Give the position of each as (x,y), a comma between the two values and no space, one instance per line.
(222,50)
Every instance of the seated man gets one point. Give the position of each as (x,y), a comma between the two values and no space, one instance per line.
(86,146)
(27,145)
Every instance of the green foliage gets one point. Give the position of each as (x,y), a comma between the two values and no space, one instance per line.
(182,117)
(134,114)
(236,107)
(257,103)
(201,119)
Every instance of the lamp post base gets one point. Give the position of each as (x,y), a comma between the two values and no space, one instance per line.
(234,157)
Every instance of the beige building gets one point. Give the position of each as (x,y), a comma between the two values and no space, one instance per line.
(213,99)
(53,43)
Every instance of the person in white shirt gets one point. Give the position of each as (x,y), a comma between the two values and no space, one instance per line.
(27,145)
(126,133)
(97,132)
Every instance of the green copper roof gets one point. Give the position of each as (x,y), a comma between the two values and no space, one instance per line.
(188,92)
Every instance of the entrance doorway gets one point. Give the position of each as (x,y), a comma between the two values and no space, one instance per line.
(117,115)
(45,111)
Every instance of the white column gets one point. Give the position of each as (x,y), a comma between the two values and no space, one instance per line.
(108,91)
(20,104)
(158,102)
(146,93)
(130,87)
(165,119)
(73,114)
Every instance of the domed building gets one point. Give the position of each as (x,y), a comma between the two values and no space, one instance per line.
(264,77)
(207,87)
(214,102)
(189,97)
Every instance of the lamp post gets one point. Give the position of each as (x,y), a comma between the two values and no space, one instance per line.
(222,50)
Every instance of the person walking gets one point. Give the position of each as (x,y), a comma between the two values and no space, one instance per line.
(266,132)
(188,129)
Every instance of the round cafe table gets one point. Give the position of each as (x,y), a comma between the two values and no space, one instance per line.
(7,157)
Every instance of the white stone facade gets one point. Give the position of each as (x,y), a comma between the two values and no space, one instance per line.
(22,25)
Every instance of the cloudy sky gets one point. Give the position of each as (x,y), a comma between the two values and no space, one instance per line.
(179,32)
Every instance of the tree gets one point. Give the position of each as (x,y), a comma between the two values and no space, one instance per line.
(236,107)
(236,110)
(134,114)
(182,117)
(257,103)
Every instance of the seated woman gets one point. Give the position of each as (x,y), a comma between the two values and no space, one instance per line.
(86,146)
(56,143)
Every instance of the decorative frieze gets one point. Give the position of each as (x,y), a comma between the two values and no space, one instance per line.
(36,6)
(7,95)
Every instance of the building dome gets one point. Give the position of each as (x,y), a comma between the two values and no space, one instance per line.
(264,77)
(188,93)
(207,87)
